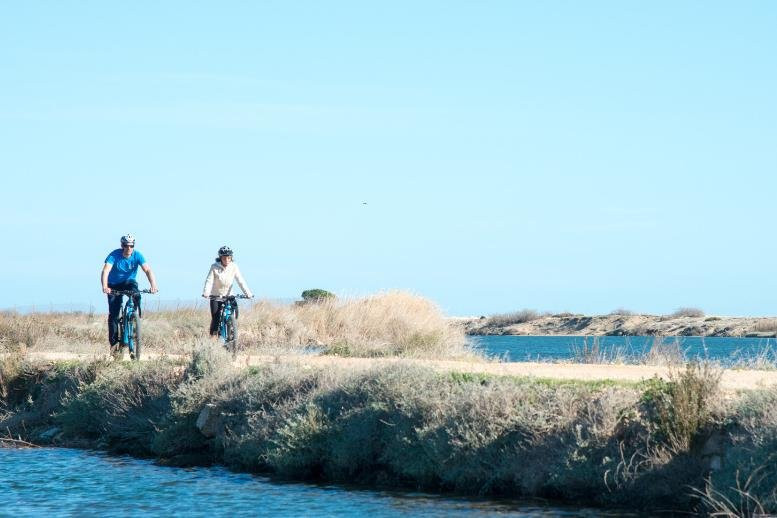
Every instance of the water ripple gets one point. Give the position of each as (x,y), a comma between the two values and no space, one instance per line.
(64,482)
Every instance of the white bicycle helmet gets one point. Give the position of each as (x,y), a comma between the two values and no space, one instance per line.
(225,250)
(128,239)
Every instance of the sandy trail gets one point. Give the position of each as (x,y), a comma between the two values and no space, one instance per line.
(731,381)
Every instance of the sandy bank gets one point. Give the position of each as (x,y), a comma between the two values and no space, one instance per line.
(731,381)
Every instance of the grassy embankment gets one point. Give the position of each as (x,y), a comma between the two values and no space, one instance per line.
(672,444)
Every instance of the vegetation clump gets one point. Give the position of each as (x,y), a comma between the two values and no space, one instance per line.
(516,317)
(393,323)
(316,295)
(407,426)
(687,312)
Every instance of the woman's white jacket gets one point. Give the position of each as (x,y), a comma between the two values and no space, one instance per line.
(220,278)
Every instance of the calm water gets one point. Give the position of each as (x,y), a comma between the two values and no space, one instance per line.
(58,481)
(549,348)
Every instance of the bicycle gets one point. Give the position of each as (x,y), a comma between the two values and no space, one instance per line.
(227,330)
(129,325)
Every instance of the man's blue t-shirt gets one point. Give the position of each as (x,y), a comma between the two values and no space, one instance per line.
(124,268)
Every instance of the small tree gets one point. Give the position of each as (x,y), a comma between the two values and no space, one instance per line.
(316,295)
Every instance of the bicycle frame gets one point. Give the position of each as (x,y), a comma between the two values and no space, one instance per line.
(127,335)
(226,312)
(126,320)
(226,316)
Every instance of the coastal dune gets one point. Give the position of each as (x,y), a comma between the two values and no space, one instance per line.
(528,322)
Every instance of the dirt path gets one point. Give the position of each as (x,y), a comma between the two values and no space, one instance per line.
(732,380)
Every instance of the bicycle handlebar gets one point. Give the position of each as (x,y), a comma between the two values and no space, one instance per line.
(227,297)
(128,293)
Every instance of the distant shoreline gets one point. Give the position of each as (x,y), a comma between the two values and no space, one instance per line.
(619,325)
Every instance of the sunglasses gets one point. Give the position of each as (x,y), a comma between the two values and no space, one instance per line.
(128,246)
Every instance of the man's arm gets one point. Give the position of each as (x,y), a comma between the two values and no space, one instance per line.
(104,277)
(151,279)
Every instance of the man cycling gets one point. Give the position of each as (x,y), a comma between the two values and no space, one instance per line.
(119,271)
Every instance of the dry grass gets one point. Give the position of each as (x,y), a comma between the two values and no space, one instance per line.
(663,352)
(687,312)
(765,325)
(765,359)
(592,352)
(746,484)
(386,324)
(516,317)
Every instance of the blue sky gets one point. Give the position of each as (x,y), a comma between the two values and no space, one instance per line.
(562,156)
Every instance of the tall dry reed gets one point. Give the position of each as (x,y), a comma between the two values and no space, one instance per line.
(386,324)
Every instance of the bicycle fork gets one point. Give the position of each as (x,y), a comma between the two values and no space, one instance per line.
(126,331)
(226,312)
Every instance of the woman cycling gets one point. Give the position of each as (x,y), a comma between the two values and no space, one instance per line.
(218,283)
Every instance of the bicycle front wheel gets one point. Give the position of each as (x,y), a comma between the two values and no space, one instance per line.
(231,342)
(134,332)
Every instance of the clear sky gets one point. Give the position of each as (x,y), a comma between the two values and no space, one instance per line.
(489,155)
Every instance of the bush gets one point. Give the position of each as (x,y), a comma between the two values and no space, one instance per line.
(682,406)
(122,407)
(687,312)
(403,425)
(516,317)
(316,295)
(746,484)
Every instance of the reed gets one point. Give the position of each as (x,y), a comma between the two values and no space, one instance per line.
(592,351)
(385,324)
(663,352)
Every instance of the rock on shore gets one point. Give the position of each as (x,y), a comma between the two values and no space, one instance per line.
(623,325)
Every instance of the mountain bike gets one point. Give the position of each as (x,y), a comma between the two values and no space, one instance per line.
(129,325)
(228,321)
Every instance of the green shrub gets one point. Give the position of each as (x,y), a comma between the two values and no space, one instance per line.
(681,407)
(317,295)
(123,407)
(403,425)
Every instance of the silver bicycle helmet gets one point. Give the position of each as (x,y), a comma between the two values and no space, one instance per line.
(225,250)
(128,239)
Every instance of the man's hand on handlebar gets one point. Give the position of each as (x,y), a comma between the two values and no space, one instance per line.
(111,291)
